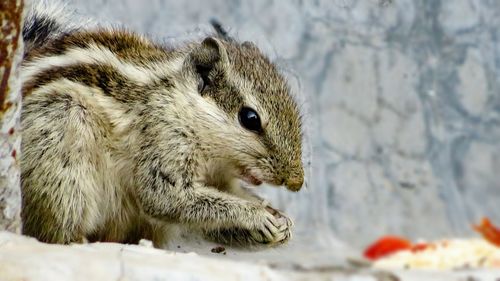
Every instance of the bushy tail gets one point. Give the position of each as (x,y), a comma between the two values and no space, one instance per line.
(45,20)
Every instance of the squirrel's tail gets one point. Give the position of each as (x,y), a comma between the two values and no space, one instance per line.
(45,20)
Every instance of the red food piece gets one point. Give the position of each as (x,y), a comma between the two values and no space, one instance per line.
(488,231)
(385,246)
(419,247)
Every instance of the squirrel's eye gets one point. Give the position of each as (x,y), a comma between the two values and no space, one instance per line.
(250,120)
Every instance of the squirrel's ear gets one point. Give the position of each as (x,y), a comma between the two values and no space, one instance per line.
(250,45)
(209,53)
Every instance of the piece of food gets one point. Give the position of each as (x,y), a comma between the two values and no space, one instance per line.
(385,246)
(419,247)
(445,254)
(218,250)
(391,252)
(489,231)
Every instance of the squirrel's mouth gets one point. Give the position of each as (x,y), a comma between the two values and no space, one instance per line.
(250,178)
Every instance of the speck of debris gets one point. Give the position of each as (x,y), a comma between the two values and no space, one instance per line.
(218,250)
(178,246)
(407,185)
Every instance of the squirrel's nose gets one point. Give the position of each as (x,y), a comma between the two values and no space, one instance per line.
(295,183)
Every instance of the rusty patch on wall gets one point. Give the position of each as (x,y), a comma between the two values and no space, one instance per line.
(10,31)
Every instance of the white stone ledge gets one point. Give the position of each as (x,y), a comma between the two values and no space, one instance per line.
(23,258)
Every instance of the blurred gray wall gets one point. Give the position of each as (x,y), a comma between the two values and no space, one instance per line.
(403,101)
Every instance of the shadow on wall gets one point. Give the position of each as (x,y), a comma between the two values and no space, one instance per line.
(403,100)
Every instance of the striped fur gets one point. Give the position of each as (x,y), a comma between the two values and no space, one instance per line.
(119,144)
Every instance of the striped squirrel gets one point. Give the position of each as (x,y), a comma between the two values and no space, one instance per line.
(123,136)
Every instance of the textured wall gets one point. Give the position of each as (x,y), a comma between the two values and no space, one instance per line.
(403,97)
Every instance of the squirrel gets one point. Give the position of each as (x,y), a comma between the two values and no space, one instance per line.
(122,136)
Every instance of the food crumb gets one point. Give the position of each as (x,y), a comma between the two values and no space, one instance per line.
(218,250)
(146,243)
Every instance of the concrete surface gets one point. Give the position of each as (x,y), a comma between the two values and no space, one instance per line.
(23,258)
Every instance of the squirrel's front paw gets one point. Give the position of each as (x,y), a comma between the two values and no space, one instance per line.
(267,226)
(274,228)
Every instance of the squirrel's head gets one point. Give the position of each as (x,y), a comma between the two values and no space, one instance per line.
(246,112)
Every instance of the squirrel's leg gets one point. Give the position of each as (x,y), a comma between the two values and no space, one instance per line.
(238,236)
(242,192)
(60,168)
(213,211)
